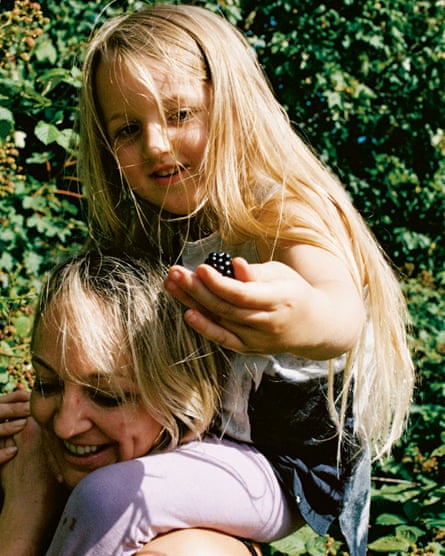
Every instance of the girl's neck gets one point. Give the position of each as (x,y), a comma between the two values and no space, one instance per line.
(193,229)
(166,233)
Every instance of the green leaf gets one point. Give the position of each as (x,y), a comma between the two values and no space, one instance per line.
(440,451)
(45,51)
(295,543)
(5,350)
(35,202)
(32,262)
(65,138)
(6,122)
(398,493)
(51,78)
(316,546)
(390,519)
(409,532)
(38,158)
(437,522)
(7,234)
(390,544)
(46,133)
(23,325)
(6,262)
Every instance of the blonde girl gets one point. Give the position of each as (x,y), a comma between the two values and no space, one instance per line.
(185,151)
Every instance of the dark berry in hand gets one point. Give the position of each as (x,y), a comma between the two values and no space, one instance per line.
(222,262)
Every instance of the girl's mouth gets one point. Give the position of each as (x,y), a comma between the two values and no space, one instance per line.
(166,173)
(169,174)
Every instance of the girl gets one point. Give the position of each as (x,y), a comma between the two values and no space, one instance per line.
(185,151)
(124,389)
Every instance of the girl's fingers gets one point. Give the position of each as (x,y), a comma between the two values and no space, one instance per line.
(211,299)
(11,427)
(212,331)
(216,286)
(7,453)
(14,411)
(8,449)
(14,405)
(207,289)
(16,396)
(179,293)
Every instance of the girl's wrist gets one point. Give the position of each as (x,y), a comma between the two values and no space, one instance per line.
(18,538)
(24,531)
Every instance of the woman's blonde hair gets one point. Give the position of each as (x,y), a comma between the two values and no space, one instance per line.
(115,310)
(261,181)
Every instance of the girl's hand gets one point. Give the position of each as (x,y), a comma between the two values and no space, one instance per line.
(32,497)
(307,304)
(14,410)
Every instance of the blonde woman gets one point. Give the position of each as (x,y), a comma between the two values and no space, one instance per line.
(185,152)
(123,408)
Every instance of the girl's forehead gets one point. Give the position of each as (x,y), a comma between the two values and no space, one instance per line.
(148,75)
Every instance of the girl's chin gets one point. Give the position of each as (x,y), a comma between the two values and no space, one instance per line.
(175,202)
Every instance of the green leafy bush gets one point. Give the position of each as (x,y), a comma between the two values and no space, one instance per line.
(39,208)
(38,214)
(364,82)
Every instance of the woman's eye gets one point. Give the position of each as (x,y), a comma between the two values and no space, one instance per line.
(106,399)
(47,388)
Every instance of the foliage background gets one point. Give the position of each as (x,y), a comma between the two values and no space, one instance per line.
(363,81)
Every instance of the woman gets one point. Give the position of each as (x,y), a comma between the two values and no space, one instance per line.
(123,407)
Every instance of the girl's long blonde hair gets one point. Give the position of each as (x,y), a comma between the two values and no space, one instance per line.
(255,168)
(115,310)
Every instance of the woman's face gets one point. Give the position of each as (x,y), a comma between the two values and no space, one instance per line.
(160,154)
(86,426)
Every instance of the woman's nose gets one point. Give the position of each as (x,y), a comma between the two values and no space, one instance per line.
(72,414)
(156,139)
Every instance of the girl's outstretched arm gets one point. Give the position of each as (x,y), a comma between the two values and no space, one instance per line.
(303,302)
(14,409)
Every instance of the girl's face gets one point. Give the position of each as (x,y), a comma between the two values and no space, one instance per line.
(160,154)
(89,425)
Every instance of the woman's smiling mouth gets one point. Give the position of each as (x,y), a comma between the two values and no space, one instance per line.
(81,450)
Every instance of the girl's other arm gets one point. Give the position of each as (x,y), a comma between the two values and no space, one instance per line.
(32,498)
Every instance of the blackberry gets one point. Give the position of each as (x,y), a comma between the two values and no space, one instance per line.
(222,262)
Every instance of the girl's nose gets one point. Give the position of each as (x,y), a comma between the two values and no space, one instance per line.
(156,139)
(71,416)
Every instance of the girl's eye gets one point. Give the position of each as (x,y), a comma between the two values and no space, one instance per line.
(126,132)
(47,388)
(178,116)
